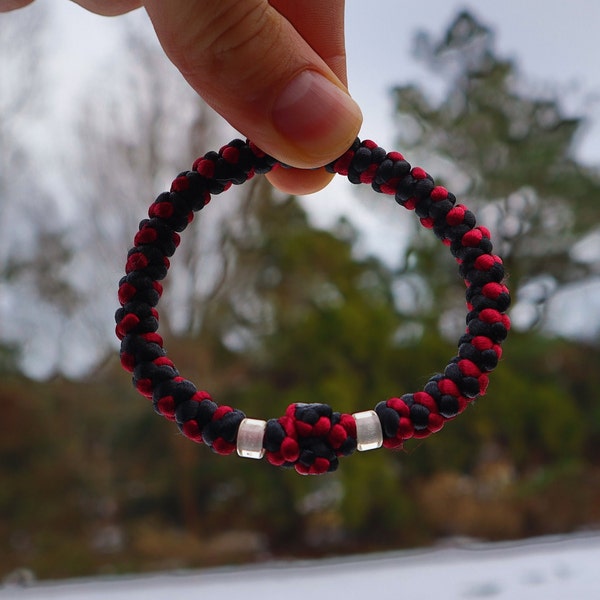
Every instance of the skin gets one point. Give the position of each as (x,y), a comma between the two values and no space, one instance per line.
(241,58)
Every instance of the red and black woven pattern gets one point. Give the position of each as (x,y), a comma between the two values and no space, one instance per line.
(311,437)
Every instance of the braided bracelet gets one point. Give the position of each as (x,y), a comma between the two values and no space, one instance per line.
(311,437)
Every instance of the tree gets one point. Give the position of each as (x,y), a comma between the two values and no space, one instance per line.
(296,317)
(273,311)
(300,319)
(32,244)
(133,137)
(508,153)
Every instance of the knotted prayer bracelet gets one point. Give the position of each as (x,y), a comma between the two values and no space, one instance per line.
(311,437)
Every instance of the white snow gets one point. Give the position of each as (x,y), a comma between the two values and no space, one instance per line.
(549,568)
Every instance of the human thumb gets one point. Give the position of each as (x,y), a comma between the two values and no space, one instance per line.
(254,68)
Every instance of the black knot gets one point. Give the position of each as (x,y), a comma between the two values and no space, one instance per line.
(225,428)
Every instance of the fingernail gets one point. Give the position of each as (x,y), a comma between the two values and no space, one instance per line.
(316,117)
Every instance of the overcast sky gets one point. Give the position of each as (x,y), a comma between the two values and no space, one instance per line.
(556,49)
(556,46)
(554,43)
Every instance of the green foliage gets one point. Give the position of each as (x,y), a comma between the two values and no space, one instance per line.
(92,481)
(8,358)
(530,414)
(132,494)
(507,152)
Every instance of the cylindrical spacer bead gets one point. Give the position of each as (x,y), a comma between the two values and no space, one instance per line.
(251,433)
(369,434)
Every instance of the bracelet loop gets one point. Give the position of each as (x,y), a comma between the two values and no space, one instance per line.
(311,437)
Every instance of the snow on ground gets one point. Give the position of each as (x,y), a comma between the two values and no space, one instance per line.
(550,568)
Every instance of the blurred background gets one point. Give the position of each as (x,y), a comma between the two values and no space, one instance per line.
(335,298)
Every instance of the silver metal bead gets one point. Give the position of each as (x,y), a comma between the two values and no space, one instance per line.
(369,434)
(251,433)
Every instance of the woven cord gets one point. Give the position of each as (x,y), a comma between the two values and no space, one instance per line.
(311,437)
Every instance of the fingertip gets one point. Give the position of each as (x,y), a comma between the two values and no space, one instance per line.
(255,69)
(299,182)
(316,119)
(109,9)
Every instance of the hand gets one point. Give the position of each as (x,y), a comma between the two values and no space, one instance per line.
(275,69)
